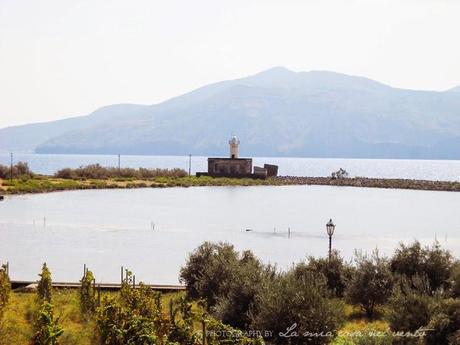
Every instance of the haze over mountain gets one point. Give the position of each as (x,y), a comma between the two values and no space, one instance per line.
(274,113)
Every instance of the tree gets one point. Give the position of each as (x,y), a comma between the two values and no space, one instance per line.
(336,272)
(410,307)
(444,327)
(372,282)
(433,262)
(47,329)
(5,289)
(234,307)
(288,304)
(209,271)
(87,294)
(44,284)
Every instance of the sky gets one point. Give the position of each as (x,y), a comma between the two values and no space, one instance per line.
(61,58)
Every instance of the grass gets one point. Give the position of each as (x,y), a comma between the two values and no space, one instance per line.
(43,184)
(16,326)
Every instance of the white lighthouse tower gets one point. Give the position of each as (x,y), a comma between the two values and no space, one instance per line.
(234,143)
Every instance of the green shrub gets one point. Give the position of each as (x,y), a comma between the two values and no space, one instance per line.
(5,289)
(371,284)
(433,262)
(287,304)
(336,272)
(444,327)
(410,307)
(47,329)
(87,294)
(209,272)
(44,285)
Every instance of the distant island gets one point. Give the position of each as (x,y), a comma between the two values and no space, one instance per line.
(277,112)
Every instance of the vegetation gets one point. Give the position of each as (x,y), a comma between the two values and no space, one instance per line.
(233,298)
(97,171)
(19,170)
(5,289)
(98,177)
(371,283)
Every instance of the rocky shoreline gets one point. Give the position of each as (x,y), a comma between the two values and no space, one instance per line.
(451,186)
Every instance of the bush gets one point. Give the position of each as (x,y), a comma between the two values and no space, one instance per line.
(371,284)
(5,289)
(234,307)
(433,262)
(410,307)
(44,284)
(87,294)
(97,171)
(444,327)
(209,272)
(20,169)
(287,304)
(336,272)
(47,329)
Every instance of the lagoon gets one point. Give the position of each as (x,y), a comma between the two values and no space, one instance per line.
(151,231)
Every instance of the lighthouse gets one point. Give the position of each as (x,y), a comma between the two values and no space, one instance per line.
(234,143)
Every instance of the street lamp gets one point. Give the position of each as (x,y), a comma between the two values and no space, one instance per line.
(330,227)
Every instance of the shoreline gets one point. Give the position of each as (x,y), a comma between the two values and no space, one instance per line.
(46,184)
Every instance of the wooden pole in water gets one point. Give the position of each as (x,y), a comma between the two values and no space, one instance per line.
(289,232)
(119,162)
(189,165)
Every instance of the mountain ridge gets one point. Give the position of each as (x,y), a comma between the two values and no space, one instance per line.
(276,112)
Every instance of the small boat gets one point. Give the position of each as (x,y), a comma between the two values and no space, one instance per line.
(248,229)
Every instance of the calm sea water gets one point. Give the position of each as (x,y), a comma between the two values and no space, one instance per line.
(412,169)
(109,228)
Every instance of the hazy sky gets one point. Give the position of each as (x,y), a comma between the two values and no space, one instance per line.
(68,57)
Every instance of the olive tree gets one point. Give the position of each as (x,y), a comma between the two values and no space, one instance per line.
(372,282)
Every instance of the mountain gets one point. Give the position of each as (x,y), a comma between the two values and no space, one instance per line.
(277,112)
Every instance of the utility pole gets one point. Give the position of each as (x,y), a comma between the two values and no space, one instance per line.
(11,167)
(119,162)
(189,165)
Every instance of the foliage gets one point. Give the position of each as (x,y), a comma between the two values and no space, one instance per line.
(372,282)
(87,294)
(444,327)
(234,307)
(334,269)
(5,289)
(288,304)
(210,271)
(218,333)
(97,171)
(44,284)
(20,169)
(135,317)
(410,307)
(434,262)
(47,328)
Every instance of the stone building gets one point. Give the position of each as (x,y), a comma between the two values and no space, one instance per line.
(237,167)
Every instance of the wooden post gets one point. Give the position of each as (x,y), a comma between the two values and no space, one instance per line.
(84,271)
(134,281)
(121,276)
(8,269)
(99,294)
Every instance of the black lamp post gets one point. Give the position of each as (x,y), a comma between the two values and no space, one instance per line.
(330,227)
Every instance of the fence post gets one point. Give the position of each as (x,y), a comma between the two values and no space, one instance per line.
(121,276)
